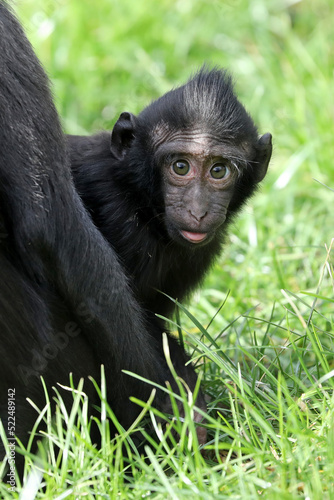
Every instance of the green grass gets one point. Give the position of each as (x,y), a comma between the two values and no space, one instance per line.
(267,356)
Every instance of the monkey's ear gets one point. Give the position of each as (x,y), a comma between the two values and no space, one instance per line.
(264,150)
(122,135)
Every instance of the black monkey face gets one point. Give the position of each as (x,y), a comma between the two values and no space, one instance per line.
(199,178)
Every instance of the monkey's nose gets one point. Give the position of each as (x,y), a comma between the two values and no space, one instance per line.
(197,215)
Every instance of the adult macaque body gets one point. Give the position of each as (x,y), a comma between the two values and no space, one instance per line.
(66,305)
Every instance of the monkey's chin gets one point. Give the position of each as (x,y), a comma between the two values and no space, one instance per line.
(194,237)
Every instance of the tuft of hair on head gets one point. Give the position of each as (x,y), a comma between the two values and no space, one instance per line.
(207,102)
(205,93)
(211,103)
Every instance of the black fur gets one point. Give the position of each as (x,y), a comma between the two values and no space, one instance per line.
(65,302)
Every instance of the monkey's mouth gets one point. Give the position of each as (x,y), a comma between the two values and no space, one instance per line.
(194,237)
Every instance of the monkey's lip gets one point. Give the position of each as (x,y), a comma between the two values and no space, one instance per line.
(194,237)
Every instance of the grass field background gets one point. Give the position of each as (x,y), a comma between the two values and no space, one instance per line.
(268,367)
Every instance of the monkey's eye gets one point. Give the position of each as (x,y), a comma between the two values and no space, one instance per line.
(181,167)
(219,171)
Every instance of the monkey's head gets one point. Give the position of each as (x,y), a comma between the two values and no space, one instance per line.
(196,153)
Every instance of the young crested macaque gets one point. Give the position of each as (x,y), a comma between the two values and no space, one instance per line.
(164,186)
